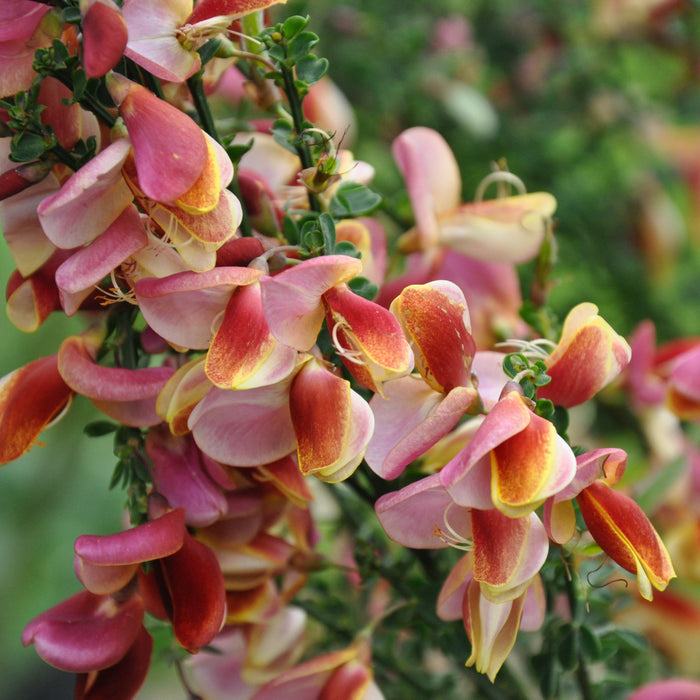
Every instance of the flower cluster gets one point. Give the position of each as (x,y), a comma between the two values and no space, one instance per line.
(247,332)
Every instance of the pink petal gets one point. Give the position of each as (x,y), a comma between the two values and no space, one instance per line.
(409,420)
(508,552)
(197,594)
(451,596)
(332,423)
(104,37)
(123,680)
(247,427)
(85,632)
(168,161)
(507,418)
(123,394)
(160,52)
(508,230)
(89,201)
(292,298)
(77,277)
(30,398)
(183,307)
(244,354)
(369,338)
(415,515)
(432,177)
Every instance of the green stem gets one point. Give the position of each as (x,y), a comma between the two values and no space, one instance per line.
(201,104)
(299,121)
(576,608)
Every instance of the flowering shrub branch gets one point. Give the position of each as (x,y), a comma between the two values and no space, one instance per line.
(253,350)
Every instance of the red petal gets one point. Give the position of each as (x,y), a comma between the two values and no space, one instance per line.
(197,593)
(30,398)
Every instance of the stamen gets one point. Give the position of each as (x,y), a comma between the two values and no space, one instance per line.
(537,349)
(452,538)
(346,353)
(115,293)
(500,177)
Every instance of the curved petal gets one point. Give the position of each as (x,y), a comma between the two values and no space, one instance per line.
(432,178)
(30,398)
(589,356)
(507,230)
(435,318)
(244,354)
(123,680)
(158,50)
(624,532)
(292,298)
(508,553)
(367,337)
(332,423)
(246,427)
(183,307)
(77,277)
(104,37)
(85,632)
(168,161)
(89,201)
(506,419)
(417,515)
(127,395)
(409,420)
(197,594)
(180,476)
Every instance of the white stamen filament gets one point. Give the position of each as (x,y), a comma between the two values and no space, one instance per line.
(452,538)
(501,177)
(348,354)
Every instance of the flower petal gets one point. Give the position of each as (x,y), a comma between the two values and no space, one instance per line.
(85,632)
(508,552)
(30,398)
(331,422)
(435,318)
(624,532)
(292,298)
(168,161)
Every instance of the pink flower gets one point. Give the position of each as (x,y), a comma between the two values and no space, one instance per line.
(514,462)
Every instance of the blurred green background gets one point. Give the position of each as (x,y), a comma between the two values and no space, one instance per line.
(595,102)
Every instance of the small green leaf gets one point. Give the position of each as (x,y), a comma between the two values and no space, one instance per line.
(99,427)
(293,25)
(514,363)
(277,53)
(290,230)
(347,248)
(283,132)
(71,15)
(313,240)
(353,199)
(590,644)
(327,226)
(300,46)
(27,147)
(363,287)
(544,408)
(310,69)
